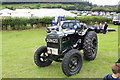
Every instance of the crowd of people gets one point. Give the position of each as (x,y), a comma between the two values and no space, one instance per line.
(101,28)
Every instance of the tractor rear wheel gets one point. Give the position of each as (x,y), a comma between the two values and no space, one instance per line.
(72,62)
(90,45)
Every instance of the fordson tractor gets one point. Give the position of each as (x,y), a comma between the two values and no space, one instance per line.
(64,46)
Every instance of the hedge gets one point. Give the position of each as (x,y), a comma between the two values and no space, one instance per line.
(10,23)
(91,19)
(24,23)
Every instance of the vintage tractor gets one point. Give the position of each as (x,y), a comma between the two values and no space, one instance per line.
(64,46)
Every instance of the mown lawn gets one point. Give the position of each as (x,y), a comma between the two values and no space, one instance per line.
(0,54)
(18,49)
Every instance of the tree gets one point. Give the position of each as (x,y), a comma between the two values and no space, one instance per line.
(99,9)
(118,7)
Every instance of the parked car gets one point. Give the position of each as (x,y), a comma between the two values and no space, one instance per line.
(116,20)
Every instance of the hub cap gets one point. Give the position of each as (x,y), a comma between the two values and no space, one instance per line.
(73,64)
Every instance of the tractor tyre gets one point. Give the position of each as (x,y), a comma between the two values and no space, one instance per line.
(41,57)
(72,62)
(90,45)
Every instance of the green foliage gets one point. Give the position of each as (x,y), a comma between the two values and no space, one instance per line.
(69,18)
(98,9)
(14,23)
(53,6)
(106,9)
(83,7)
(46,20)
(91,19)
(36,6)
(118,8)
(21,23)
(70,8)
(11,8)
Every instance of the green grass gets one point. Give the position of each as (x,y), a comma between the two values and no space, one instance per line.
(0,54)
(19,46)
(119,41)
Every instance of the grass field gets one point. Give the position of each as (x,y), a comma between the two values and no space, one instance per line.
(0,54)
(18,48)
(119,41)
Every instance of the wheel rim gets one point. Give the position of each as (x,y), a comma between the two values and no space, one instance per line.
(94,46)
(43,57)
(74,64)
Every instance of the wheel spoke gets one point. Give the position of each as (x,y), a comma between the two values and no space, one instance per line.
(70,66)
(73,63)
(42,56)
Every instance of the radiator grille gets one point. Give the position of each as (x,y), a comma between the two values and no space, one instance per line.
(53,45)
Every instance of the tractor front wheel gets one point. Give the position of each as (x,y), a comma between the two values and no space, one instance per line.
(41,58)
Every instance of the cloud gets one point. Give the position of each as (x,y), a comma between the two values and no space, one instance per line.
(104,2)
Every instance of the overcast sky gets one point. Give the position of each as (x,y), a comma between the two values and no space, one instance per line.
(104,2)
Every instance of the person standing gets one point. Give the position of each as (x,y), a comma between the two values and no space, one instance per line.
(59,23)
(105,28)
(100,28)
(96,27)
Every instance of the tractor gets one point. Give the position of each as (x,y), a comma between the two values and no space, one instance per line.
(64,45)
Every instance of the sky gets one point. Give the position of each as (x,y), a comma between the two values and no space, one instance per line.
(104,2)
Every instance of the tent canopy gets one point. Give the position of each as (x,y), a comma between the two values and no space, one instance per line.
(38,12)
